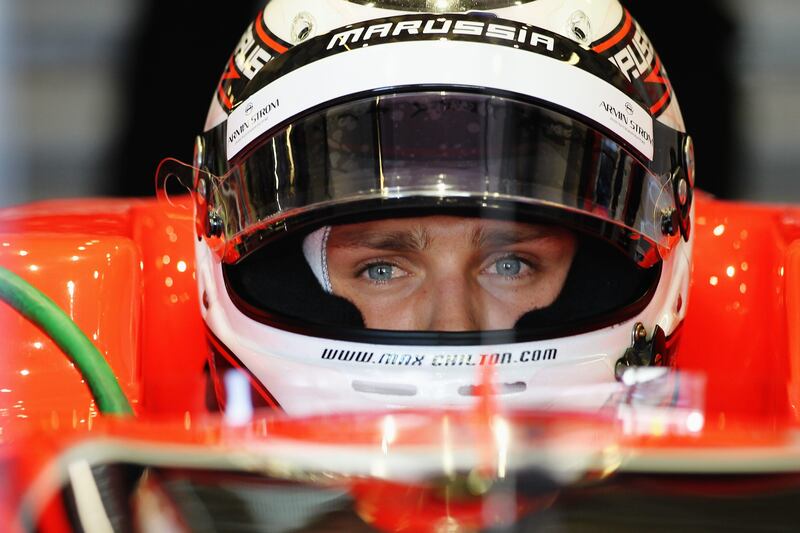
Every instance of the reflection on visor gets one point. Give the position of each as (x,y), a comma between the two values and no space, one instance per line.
(477,150)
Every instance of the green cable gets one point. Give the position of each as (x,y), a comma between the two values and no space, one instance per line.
(47,316)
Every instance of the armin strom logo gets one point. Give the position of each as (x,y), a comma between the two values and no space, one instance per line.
(624,119)
(629,108)
(254,116)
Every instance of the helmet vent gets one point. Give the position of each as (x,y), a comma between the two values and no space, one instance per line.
(302,27)
(580,28)
(385,389)
(499,389)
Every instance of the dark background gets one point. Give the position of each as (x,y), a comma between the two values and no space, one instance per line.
(148,71)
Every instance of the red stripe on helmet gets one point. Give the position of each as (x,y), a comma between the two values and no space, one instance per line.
(617,37)
(223,98)
(657,77)
(269,41)
(231,73)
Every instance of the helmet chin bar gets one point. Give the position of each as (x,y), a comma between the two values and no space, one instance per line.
(643,352)
(292,366)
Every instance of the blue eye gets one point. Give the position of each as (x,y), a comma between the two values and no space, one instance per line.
(508,266)
(380,272)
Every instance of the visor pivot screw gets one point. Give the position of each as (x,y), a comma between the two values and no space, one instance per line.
(670,222)
(215,224)
(643,352)
(689,161)
(201,188)
(199,151)
(639,333)
(683,192)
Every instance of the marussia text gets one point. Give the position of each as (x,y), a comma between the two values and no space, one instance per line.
(441,27)
(440,360)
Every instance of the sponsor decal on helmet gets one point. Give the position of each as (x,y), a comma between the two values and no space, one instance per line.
(256,48)
(442,27)
(253,118)
(457,28)
(625,119)
(629,49)
(555,70)
(439,360)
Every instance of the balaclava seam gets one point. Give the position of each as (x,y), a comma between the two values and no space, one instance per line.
(315,250)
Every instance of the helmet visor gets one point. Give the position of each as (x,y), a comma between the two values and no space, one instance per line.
(439,148)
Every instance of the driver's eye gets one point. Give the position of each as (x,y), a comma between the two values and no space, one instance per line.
(380,272)
(508,266)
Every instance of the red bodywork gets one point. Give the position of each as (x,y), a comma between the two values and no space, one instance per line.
(124,271)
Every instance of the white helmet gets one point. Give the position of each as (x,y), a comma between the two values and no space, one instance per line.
(391,195)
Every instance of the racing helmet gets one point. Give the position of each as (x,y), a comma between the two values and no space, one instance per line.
(392,196)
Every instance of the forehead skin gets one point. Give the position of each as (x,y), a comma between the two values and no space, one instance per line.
(417,234)
(445,275)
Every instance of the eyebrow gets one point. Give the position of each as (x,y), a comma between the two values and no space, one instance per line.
(419,240)
(395,241)
(497,238)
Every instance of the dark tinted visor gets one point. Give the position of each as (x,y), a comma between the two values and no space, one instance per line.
(439,147)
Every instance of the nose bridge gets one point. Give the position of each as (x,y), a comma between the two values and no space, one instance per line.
(453,304)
